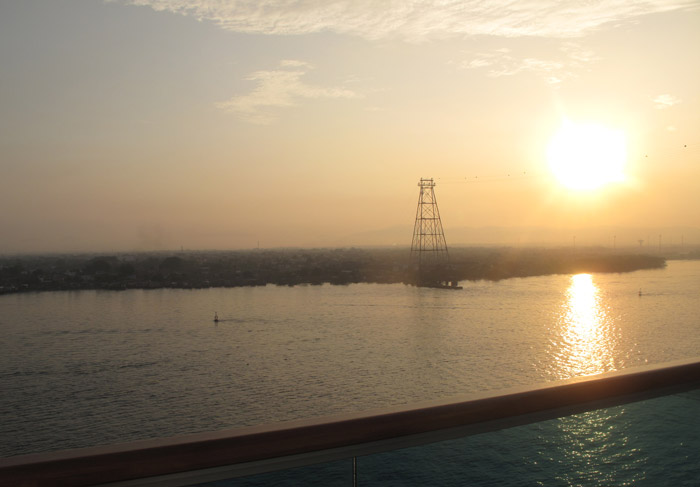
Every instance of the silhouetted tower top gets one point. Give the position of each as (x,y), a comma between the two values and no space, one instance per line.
(429,247)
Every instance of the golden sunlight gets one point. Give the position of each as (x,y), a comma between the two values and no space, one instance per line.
(583,305)
(587,156)
(586,339)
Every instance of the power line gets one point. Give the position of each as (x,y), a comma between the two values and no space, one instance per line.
(491,178)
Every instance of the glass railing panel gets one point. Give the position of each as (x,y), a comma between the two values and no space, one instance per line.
(330,474)
(652,442)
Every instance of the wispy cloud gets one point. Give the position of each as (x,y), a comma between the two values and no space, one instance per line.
(665,101)
(279,88)
(504,62)
(412,21)
(416,20)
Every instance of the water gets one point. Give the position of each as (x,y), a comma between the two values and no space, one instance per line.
(86,368)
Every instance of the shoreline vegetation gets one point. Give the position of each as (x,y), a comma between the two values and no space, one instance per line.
(290,267)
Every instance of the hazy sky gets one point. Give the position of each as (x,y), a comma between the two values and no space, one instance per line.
(156,124)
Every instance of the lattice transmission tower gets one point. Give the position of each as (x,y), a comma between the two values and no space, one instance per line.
(430,259)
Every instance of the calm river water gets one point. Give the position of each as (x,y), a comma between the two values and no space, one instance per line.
(98,367)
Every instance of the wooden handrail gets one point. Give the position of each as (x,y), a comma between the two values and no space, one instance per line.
(343,435)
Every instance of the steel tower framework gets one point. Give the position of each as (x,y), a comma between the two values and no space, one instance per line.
(429,247)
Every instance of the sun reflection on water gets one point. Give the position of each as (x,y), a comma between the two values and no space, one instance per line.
(584,341)
(592,448)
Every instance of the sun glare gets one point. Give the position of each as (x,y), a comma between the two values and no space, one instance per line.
(587,156)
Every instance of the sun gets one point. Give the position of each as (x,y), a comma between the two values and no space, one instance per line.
(586,156)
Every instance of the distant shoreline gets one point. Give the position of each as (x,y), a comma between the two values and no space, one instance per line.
(290,267)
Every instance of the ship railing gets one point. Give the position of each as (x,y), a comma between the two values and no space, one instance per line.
(204,457)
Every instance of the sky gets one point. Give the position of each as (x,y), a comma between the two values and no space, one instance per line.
(208,124)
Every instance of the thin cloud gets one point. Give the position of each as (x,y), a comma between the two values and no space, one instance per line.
(665,101)
(417,20)
(504,62)
(277,89)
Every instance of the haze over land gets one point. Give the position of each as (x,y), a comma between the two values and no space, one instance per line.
(160,124)
(289,267)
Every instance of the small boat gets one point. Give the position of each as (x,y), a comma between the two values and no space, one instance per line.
(216,317)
